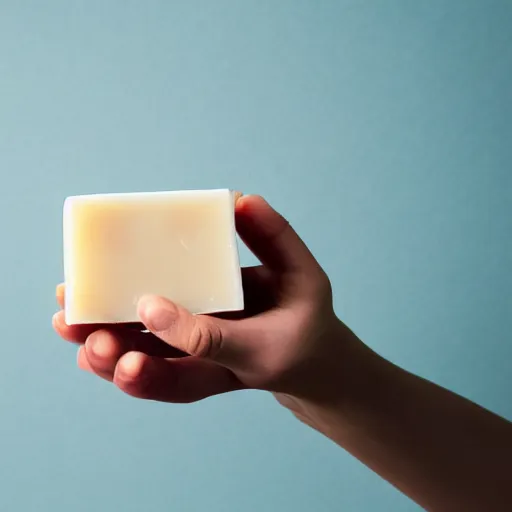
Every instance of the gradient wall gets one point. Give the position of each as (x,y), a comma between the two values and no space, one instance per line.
(382,130)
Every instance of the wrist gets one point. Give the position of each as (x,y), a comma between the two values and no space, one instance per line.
(338,381)
(344,369)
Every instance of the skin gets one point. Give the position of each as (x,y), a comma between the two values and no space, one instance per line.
(443,451)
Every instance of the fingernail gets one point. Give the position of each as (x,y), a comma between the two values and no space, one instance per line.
(158,315)
(237,196)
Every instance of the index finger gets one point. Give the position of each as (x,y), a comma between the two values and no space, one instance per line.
(271,238)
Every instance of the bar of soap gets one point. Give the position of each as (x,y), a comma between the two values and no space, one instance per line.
(180,245)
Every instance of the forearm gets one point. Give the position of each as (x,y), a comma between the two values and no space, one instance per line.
(440,449)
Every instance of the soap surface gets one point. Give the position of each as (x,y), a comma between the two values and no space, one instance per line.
(180,245)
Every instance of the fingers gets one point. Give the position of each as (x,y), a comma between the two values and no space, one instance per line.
(81,360)
(103,349)
(271,238)
(73,333)
(166,380)
(178,381)
(130,339)
(198,335)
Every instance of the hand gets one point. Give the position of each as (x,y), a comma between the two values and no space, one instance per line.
(443,451)
(283,341)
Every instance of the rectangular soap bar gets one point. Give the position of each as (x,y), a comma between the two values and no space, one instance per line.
(180,245)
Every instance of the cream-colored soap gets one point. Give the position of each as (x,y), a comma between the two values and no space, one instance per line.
(179,245)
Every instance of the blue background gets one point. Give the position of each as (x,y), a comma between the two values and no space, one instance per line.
(382,130)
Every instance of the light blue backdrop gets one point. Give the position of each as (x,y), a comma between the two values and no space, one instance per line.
(383,130)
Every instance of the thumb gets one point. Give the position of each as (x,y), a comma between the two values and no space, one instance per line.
(198,335)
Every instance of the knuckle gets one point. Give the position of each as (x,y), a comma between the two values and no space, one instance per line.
(321,287)
(205,340)
(325,284)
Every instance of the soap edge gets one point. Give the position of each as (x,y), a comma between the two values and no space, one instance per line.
(67,236)
(238,285)
(150,194)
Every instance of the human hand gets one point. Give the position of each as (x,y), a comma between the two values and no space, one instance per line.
(284,340)
(420,437)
